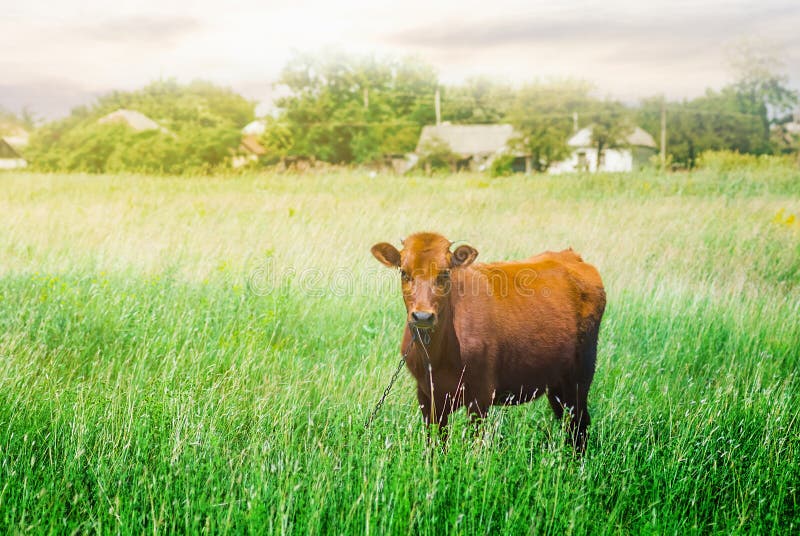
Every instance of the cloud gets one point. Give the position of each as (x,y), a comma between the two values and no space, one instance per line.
(677,49)
(151,31)
(627,48)
(646,36)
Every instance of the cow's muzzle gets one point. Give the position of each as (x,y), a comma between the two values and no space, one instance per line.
(422,319)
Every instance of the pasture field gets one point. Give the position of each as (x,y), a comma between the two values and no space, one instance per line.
(199,355)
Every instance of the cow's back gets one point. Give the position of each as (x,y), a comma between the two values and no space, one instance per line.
(527,319)
(590,294)
(556,281)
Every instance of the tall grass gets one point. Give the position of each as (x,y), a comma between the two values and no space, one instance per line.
(198,355)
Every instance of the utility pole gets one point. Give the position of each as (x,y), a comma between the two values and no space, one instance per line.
(663,134)
(438,107)
(366,98)
(574,122)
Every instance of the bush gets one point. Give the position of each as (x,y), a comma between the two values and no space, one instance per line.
(502,166)
(726,161)
(201,131)
(436,154)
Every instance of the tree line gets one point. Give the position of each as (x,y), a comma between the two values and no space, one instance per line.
(346,109)
(200,122)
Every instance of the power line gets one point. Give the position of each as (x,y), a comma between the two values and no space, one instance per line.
(430,100)
(516,120)
(441,106)
(570,115)
(710,112)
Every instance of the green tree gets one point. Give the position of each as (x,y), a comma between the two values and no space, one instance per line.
(711,122)
(436,154)
(478,100)
(277,139)
(180,106)
(737,118)
(611,124)
(354,109)
(202,121)
(542,113)
(759,83)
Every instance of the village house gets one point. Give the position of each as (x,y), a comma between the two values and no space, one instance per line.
(254,128)
(11,145)
(9,157)
(474,146)
(136,121)
(793,127)
(634,152)
(250,149)
(788,131)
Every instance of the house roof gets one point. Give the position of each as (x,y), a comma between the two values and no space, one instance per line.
(250,144)
(17,138)
(254,128)
(468,140)
(638,137)
(7,151)
(641,138)
(135,120)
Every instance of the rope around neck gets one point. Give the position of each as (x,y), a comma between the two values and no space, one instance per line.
(424,338)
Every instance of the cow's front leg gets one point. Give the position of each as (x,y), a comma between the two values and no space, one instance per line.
(477,411)
(434,414)
(424,406)
(427,410)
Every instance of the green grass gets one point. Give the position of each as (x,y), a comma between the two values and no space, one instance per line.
(154,377)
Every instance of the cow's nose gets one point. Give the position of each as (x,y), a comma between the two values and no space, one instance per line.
(422,316)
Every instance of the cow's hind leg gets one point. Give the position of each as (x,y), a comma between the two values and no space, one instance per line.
(556,402)
(577,391)
(572,401)
(579,418)
(587,357)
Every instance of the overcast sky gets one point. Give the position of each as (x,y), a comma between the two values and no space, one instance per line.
(57,54)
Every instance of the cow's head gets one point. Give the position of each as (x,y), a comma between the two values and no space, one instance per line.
(425,263)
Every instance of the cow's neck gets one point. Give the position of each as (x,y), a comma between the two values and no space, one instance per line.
(441,339)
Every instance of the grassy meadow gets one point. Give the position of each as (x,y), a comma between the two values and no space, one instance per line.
(199,354)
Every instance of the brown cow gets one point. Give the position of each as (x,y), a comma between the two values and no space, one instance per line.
(501,333)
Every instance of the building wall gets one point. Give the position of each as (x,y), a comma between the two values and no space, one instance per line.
(12,163)
(586,158)
(617,160)
(241,160)
(642,157)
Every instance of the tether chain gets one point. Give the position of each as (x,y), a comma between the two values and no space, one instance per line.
(415,335)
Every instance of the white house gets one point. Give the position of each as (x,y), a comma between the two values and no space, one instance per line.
(9,157)
(250,149)
(793,127)
(16,137)
(634,152)
(255,128)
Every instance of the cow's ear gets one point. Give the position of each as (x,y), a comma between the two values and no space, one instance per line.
(463,256)
(387,254)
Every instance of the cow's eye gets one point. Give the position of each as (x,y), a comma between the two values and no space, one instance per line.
(404,277)
(443,278)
